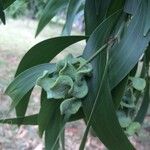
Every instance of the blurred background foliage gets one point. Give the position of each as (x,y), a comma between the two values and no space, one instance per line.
(26,8)
(33,10)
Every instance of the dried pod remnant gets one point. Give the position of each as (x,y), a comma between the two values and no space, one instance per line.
(67,83)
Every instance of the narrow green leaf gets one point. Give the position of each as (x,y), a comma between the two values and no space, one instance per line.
(24,82)
(2,15)
(33,119)
(46,50)
(131,6)
(147,23)
(53,129)
(131,51)
(114,6)
(43,52)
(148,54)
(95,13)
(28,120)
(7,3)
(51,9)
(22,106)
(118,92)
(104,121)
(46,113)
(94,106)
(73,8)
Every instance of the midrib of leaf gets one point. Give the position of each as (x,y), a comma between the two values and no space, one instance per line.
(94,105)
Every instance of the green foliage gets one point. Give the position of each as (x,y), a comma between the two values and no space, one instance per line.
(138,83)
(25,81)
(18,8)
(2,15)
(67,83)
(117,41)
(35,7)
(51,9)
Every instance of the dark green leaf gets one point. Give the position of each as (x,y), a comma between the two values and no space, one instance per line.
(118,92)
(46,113)
(148,54)
(95,13)
(43,52)
(7,3)
(147,22)
(74,6)
(28,120)
(22,106)
(33,119)
(53,129)
(104,120)
(114,6)
(131,6)
(46,50)
(126,54)
(2,15)
(24,82)
(51,9)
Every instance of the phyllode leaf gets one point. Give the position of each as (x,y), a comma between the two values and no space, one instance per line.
(97,11)
(40,53)
(27,120)
(7,3)
(3,5)
(147,24)
(51,9)
(46,50)
(33,119)
(23,83)
(2,14)
(104,120)
(125,55)
(73,8)
(47,113)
